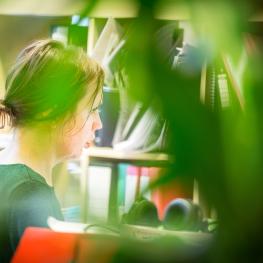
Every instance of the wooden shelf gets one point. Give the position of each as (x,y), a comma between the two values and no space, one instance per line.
(41,8)
(103,154)
(103,9)
(106,156)
(165,10)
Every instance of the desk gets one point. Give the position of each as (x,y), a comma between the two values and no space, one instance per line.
(101,155)
(147,244)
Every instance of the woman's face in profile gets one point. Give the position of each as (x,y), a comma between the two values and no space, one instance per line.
(79,132)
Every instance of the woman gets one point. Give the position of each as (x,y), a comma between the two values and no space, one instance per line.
(52,96)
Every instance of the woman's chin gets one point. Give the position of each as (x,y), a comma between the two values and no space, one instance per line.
(74,155)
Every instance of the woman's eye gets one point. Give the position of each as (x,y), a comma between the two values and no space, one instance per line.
(96,110)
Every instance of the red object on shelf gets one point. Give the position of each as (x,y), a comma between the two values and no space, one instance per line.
(164,194)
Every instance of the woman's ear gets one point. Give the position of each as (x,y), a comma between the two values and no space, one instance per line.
(68,124)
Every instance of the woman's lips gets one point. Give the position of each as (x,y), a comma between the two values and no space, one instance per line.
(87,145)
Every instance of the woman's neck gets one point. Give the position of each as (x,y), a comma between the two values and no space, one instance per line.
(33,148)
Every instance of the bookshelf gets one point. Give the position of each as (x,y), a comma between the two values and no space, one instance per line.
(102,156)
(124,14)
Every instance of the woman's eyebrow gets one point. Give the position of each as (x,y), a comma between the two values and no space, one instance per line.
(100,103)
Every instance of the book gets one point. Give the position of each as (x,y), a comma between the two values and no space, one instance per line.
(108,40)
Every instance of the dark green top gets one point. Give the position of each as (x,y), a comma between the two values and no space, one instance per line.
(25,200)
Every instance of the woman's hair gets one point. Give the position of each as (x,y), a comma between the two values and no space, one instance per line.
(46,83)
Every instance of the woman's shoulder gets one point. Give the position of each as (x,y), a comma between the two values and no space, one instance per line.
(19,179)
(15,171)
(31,192)
(33,195)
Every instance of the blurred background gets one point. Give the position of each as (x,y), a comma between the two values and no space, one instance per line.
(181,149)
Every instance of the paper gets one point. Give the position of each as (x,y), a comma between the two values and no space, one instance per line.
(80,228)
(109,38)
(66,227)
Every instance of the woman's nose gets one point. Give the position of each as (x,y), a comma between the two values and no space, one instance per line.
(97,125)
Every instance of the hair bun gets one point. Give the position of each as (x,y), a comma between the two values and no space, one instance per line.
(6,115)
